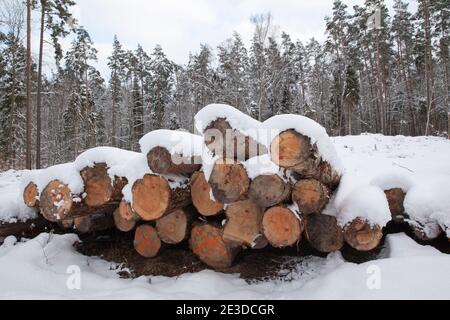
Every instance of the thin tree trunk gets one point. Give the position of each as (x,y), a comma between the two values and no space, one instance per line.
(39,87)
(428,65)
(28,148)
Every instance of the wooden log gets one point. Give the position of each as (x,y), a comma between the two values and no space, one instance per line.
(58,203)
(425,232)
(176,226)
(269,190)
(362,236)
(292,150)
(25,229)
(146,241)
(229,181)
(66,224)
(94,223)
(161,161)
(207,243)
(323,233)
(31,195)
(228,142)
(244,225)
(153,197)
(201,199)
(98,186)
(125,218)
(396,199)
(310,195)
(282,227)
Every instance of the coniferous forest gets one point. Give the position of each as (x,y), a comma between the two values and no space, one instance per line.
(392,78)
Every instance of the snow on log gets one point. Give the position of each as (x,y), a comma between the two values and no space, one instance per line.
(282,227)
(146,241)
(229,133)
(154,196)
(176,226)
(207,243)
(31,195)
(269,190)
(244,225)
(229,181)
(125,218)
(172,152)
(57,202)
(310,195)
(95,222)
(200,193)
(363,236)
(323,233)
(302,145)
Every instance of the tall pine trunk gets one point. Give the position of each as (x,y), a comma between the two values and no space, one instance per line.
(28,147)
(39,87)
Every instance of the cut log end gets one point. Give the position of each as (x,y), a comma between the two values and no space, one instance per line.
(229,181)
(310,195)
(97,185)
(208,245)
(175,227)
(290,148)
(323,233)
(243,227)
(153,197)
(124,217)
(147,242)
(56,201)
(200,193)
(396,198)
(161,161)
(362,236)
(268,190)
(31,195)
(281,227)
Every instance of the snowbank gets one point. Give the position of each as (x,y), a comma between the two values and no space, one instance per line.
(12,207)
(41,269)
(307,127)
(176,142)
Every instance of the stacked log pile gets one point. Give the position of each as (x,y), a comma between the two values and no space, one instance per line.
(218,208)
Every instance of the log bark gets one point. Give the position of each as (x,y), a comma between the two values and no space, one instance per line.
(362,236)
(94,223)
(244,225)
(228,142)
(200,193)
(323,233)
(396,199)
(66,224)
(310,195)
(146,241)
(419,230)
(58,203)
(269,190)
(176,226)
(282,227)
(292,150)
(153,197)
(229,181)
(161,161)
(125,218)
(31,195)
(98,186)
(207,243)
(25,229)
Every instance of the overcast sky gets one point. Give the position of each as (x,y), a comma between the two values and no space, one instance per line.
(179,26)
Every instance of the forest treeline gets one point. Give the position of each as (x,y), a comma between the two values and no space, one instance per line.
(375,72)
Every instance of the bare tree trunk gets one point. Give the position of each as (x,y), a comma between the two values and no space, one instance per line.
(28,148)
(39,87)
(428,60)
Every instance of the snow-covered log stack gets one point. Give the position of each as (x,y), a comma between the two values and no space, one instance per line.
(239,185)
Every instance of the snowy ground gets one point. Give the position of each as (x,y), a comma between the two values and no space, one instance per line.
(47,266)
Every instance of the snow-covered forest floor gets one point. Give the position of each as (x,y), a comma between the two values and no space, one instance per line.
(41,268)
